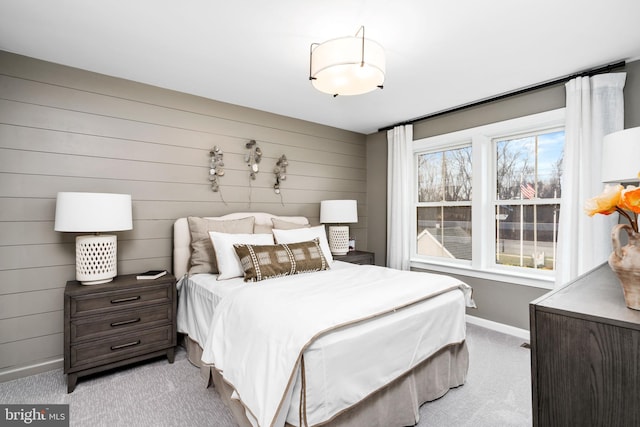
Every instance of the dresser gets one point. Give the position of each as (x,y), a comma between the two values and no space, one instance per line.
(117,323)
(585,354)
(357,257)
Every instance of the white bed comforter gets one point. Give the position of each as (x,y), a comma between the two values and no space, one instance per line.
(199,295)
(258,333)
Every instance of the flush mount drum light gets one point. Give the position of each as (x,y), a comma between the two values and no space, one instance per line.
(347,65)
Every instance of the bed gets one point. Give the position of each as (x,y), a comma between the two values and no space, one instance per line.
(309,349)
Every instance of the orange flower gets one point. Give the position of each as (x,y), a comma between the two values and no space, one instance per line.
(606,203)
(630,199)
(616,198)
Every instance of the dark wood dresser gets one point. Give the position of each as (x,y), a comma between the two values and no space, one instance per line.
(117,323)
(585,354)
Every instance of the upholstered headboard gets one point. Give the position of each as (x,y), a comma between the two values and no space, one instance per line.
(182,235)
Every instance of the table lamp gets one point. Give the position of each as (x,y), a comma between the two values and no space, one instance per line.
(620,156)
(338,212)
(96,260)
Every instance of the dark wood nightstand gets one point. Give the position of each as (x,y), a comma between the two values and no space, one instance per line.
(357,257)
(117,323)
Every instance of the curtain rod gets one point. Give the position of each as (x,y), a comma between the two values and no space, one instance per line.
(588,73)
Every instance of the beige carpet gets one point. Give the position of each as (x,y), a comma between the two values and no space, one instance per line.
(497,392)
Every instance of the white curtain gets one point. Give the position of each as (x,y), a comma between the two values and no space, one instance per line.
(595,107)
(399,196)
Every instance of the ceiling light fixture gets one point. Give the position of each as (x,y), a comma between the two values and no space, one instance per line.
(347,65)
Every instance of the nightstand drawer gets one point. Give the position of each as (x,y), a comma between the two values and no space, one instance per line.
(89,304)
(121,347)
(122,322)
(357,257)
(361,260)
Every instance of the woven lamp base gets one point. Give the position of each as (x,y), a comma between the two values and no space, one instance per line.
(339,239)
(96,260)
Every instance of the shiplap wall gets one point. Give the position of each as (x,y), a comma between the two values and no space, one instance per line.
(65,129)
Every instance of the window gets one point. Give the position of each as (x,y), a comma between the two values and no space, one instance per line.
(444,203)
(487,199)
(527,201)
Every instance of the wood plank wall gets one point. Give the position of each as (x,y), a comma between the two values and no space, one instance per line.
(65,129)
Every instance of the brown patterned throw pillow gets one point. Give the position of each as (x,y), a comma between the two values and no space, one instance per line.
(261,262)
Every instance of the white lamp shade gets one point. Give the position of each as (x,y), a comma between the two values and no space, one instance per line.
(621,156)
(93,212)
(341,66)
(338,211)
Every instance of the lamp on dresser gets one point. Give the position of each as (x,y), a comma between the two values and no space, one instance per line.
(620,154)
(96,254)
(338,212)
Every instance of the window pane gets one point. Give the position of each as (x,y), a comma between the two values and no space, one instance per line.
(529,167)
(444,232)
(445,175)
(550,156)
(526,235)
(430,177)
(457,174)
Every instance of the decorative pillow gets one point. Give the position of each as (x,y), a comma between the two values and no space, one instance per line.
(228,262)
(261,262)
(262,228)
(305,235)
(287,225)
(203,258)
(266,225)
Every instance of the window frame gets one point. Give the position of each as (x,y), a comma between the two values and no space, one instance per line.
(481,138)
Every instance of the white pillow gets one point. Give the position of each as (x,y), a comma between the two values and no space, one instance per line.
(228,263)
(304,235)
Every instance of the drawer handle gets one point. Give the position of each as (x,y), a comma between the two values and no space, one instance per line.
(129,344)
(125,322)
(116,301)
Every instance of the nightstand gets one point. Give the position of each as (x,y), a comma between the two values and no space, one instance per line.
(117,323)
(357,257)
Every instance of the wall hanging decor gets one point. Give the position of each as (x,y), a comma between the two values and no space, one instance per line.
(280,171)
(253,158)
(216,170)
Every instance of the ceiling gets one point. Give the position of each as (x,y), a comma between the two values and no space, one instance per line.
(440,54)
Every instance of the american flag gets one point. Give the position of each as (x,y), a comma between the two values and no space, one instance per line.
(527,191)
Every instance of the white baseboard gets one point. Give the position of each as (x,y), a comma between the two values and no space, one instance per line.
(26,371)
(499,327)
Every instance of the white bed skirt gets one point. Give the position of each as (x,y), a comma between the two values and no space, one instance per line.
(395,405)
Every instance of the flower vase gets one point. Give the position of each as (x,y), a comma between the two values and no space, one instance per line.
(625,262)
